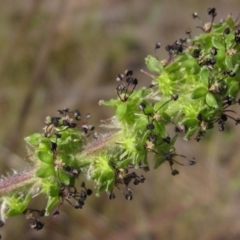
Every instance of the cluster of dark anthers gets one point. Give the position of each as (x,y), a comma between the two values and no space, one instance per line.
(173,49)
(180,45)
(34,215)
(206,27)
(123,90)
(69,194)
(72,171)
(66,193)
(221,120)
(216,84)
(153,140)
(124,177)
(170,158)
(67,120)
(56,125)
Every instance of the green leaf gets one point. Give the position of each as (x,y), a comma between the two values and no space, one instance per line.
(221,55)
(199,92)
(160,128)
(190,132)
(45,171)
(158,160)
(121,110)
(111,103)
(174,139)
(34,139)
(105,180)
(45,157)
(64,178)
(161,104)
(233,88)
(148,110)
(217,44)
(204,75)
(211,100)
(52,201)
(44,145)
(228,62)
(53,191)
(153,64)
(230,21)
(190,63)
(165,116)
(17,205)
(190,123)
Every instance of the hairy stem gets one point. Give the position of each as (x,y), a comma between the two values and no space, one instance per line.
(20,180)
(16,181)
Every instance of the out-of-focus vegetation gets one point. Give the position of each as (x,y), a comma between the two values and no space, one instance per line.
(56,54)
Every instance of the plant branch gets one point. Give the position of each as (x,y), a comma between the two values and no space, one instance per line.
(17,181)
(11,184)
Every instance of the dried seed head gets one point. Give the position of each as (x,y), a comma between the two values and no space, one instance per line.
(157,45)
(226,31)
(175,172)
(119,77)
(150,126)
(1,223)
(111,196)
(128,73)
(195,15)
(142,106)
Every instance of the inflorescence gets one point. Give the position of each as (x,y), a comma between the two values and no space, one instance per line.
(193,90)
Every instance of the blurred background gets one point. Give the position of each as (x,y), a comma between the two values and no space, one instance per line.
(56,54)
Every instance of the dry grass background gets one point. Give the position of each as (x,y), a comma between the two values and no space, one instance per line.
(56,54)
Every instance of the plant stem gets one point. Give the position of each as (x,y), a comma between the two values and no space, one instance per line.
(20,180)
(16,181)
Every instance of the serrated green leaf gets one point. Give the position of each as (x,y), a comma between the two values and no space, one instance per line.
(45,171)
(199,92)
(153,64)
(45,157)
(211,100)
